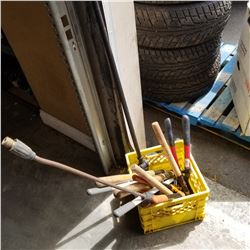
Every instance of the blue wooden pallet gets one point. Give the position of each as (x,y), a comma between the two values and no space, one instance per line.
(214,111)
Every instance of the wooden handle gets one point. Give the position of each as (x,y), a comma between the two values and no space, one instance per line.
(136,187)
(166,149)
(120,194)
(139,179)
(151,180)
(117,179)
(159,177)
(156,199)
(173,188)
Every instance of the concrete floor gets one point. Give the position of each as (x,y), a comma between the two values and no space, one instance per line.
(49,209)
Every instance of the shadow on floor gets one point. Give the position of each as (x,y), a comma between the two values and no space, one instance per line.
(46,208)
(40,205)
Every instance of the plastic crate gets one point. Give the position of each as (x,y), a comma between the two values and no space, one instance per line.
(178,211)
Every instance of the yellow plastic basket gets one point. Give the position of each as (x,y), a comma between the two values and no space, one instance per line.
(178,211)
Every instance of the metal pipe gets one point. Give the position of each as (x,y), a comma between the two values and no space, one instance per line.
(100,19)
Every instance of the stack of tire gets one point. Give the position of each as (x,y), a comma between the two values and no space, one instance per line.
(179,47)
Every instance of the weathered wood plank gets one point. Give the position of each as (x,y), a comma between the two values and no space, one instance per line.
(231,122)
(212,115)
(202,103)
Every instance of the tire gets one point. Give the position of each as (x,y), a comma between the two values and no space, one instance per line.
(180,90)
(180,25)
(164,2)
(178,63)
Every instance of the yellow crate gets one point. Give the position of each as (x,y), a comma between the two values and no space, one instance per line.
(178,211)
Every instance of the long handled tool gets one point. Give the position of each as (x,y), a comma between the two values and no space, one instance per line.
(22,150)
(167,151)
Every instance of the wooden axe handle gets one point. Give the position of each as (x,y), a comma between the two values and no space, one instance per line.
(114,179)
(159,177)
(117,179)
(139,179)
(137,187)
(151,180)
(166,149)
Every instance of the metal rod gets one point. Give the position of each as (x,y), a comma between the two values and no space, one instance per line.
(117,78)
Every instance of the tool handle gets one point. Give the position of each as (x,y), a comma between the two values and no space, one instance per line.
(151,180)
(27,153)
(18,148)
(116,179)
(186,129)
(156,199)
(187,145)
(173,188)
(170,136)
(169,131)
(136,187)
(159,177)
(120,194)
(166,149)
(127,207)
(139,179)
(183,184)
(96,190)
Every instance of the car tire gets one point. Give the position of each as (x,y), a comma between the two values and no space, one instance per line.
(167,26)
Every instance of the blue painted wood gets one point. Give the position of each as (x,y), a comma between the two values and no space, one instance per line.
(179,108)
(158,104)
(242,137)
(200,105)
(229,67)
(226,50)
